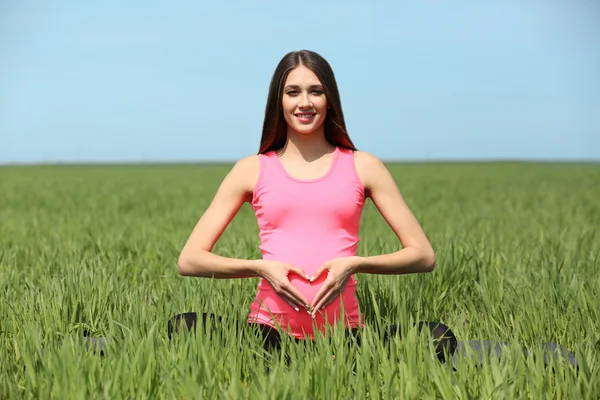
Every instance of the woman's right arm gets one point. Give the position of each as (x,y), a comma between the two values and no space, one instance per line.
(196,258)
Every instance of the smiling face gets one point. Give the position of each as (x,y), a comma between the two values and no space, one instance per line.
(304,103)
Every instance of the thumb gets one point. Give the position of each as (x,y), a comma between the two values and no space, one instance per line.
(299,271)
(319,271)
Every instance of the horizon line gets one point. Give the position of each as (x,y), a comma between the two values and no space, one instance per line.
(233,161)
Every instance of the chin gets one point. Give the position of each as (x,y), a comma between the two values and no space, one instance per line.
(306,129)
(305,132)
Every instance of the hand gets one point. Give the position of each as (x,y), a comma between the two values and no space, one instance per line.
(276,274)
(339,272)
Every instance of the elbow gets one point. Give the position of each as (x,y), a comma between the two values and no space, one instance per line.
(184,265)
(190,263)
(429,261)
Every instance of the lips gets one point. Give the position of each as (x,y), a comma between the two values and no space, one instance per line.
(305,117)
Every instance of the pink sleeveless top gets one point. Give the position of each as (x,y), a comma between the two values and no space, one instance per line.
(305,223)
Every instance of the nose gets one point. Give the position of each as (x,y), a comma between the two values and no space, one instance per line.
(304,101)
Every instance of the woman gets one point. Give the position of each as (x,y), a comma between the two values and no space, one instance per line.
(307,186)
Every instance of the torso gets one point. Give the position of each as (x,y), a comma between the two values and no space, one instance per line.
(304,170)
(307,213)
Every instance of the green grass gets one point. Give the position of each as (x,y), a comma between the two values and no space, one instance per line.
(95,248)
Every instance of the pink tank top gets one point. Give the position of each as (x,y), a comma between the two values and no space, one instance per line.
(305,223)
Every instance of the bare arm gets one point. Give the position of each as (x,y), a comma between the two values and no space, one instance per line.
(416,254)
(196,258)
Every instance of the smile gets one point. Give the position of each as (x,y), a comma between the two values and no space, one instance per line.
(305,117)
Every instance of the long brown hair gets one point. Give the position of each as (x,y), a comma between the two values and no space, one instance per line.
(274,134)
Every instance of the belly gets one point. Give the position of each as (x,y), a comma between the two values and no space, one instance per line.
(308,289)
(270,309)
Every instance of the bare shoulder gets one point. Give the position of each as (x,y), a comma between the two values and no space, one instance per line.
(368,167)
(245,172)
(364,159)
(249,162)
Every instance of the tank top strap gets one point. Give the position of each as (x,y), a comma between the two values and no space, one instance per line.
(343,167)
(346,165)
(268,172)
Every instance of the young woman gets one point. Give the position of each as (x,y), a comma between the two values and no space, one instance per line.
(307,186)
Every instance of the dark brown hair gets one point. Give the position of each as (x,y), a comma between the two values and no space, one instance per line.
(274,132)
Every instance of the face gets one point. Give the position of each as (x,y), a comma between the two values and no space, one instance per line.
(304,103)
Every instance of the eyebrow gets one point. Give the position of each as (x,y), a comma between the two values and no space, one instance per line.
(297,87)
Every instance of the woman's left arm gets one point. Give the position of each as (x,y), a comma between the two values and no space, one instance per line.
(416,254)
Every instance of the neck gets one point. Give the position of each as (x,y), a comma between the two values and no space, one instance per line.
(309,147)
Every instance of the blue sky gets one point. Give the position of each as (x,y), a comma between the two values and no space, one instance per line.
(116,81)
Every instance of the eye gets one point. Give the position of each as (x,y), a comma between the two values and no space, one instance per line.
(291,92)
(317,92)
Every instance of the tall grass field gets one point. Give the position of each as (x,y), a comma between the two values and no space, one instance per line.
(92,250)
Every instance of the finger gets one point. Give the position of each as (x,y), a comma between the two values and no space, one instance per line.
(285,295)
(296,296)
(319,271)
(290,299)
(280,290)
(290,302)
(319,296)
(299,271)
(327,297)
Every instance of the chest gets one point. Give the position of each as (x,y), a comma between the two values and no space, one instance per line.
(333,203)
(307,171)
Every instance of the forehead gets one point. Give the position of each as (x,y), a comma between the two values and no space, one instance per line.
(302,76)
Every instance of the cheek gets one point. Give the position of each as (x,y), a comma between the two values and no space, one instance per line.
(288,118)
(286,110)
(321,104)
(286,106)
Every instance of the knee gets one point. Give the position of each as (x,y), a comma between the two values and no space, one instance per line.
(443,337)
(438,330)
(445,333)
(175,324)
